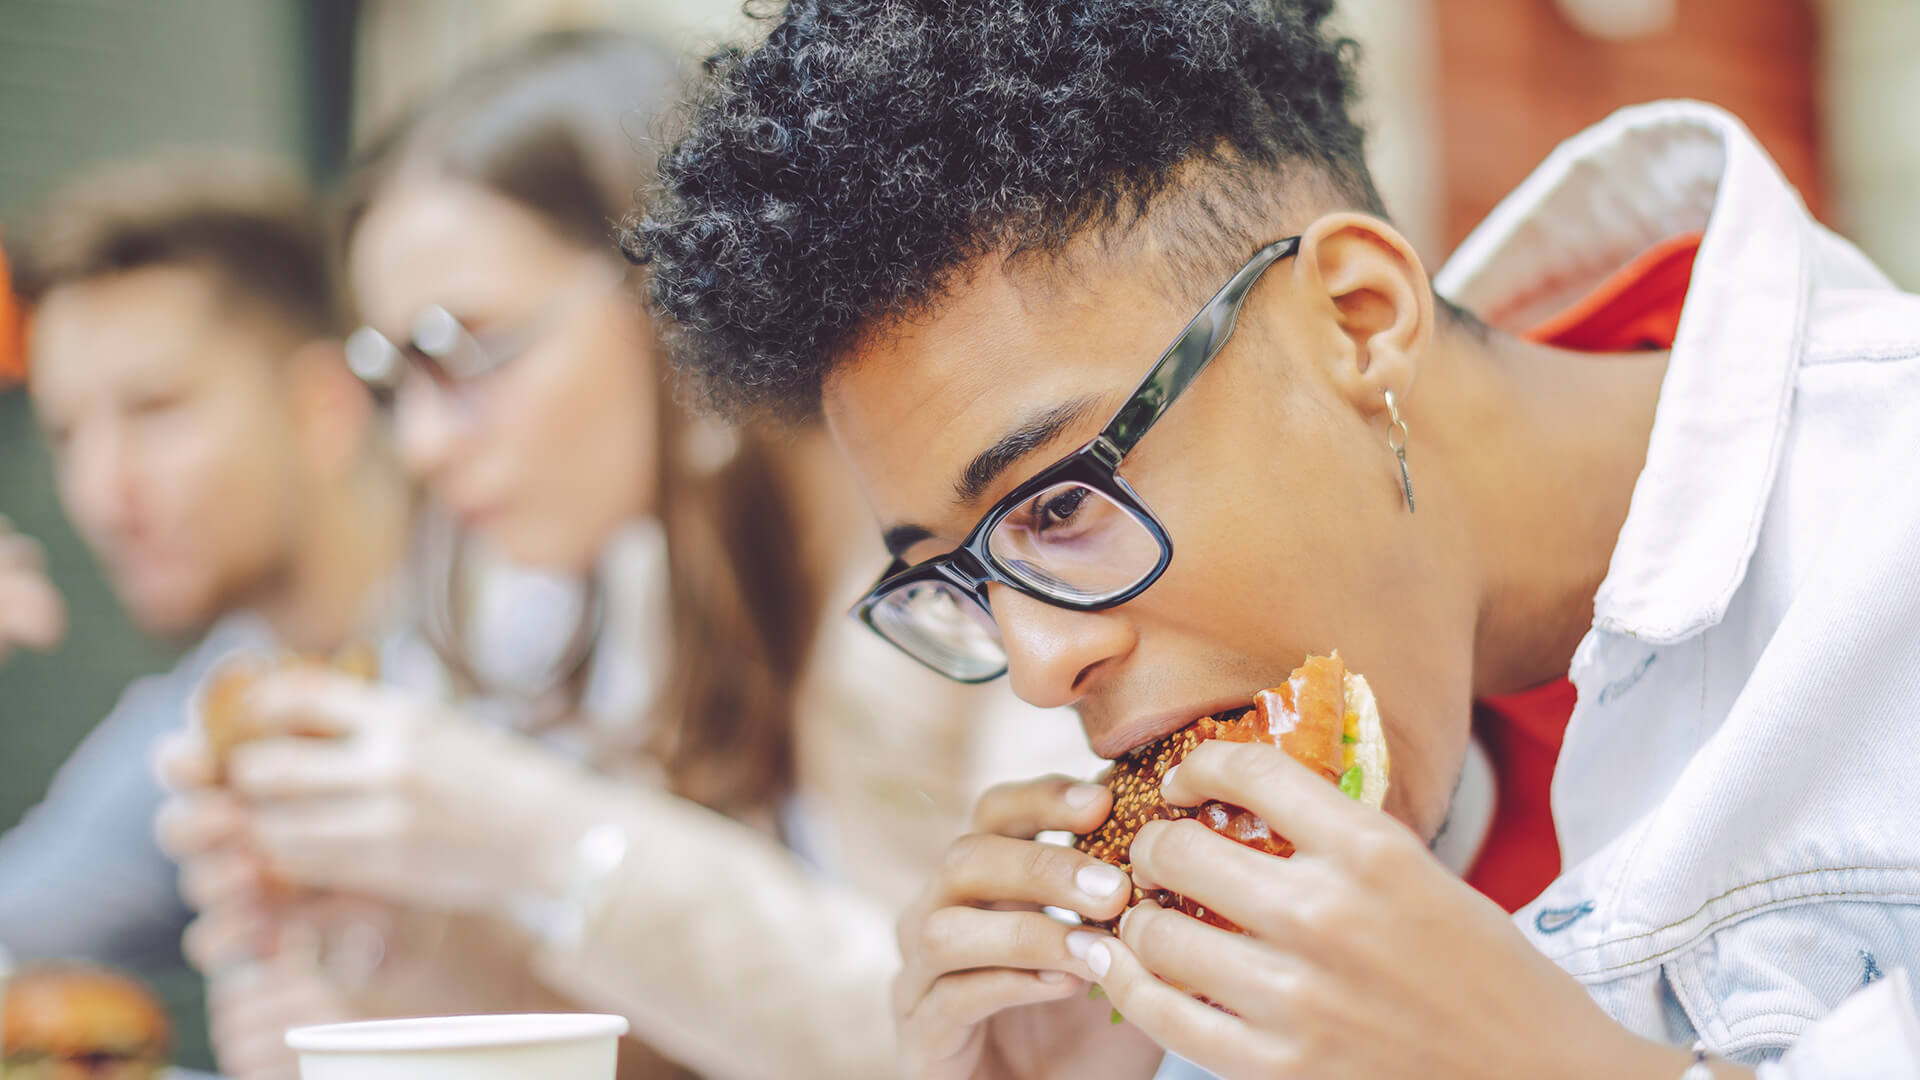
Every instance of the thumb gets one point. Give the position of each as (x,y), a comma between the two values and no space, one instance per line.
(32,612)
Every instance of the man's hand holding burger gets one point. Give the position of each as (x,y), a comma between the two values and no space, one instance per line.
(991,986)
(1275,924)
(1361,954)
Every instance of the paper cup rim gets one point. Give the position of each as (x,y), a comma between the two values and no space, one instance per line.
(440,1033)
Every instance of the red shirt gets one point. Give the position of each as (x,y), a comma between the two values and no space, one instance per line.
(1638,308)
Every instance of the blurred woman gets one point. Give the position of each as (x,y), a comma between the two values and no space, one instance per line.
(664,794)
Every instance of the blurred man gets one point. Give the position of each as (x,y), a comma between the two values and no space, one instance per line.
(218,459)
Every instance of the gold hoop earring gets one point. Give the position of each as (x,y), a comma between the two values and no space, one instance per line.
(1397,442)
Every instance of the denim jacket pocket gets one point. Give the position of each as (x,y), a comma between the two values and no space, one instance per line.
(1752,988)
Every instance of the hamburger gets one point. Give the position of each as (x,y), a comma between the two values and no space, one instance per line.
(225,723)
(78,1022)
(1323,716)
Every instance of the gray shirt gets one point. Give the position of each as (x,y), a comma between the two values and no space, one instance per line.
(81,876)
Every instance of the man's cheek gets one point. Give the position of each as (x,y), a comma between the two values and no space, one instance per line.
(1240,594)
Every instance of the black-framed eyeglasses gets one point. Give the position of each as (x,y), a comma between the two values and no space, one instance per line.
(441,347)
(1075,536)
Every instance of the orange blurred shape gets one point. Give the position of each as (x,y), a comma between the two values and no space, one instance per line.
(72,1021)
(224,720)
(13,338)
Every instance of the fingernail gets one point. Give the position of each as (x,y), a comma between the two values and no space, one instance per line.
(1080,941)
(1099,959)
(1099,881)
(1166,779)
(1081,796)
(1052,976)
(1121,928)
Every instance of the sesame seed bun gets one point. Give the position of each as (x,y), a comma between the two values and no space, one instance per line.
(1324,717)
(1370,751)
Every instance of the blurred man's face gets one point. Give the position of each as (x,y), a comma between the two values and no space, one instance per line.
(173,439)
(1281,499)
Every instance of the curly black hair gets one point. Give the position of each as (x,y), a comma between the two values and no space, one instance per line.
(836,176)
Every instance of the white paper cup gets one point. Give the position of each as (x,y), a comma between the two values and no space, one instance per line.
(559,1046)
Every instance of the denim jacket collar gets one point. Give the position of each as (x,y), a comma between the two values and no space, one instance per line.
(1642,176)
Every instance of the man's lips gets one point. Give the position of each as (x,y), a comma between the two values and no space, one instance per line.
(144,564)
(1124,738)
(476,516)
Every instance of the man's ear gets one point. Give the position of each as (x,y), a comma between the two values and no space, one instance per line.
(1382,304)
(333,408)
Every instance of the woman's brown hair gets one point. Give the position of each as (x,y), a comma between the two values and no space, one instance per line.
(557,125)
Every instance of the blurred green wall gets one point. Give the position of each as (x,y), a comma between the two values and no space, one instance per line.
(84,82)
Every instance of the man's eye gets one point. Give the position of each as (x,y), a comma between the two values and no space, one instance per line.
(1055,511)
(152,404)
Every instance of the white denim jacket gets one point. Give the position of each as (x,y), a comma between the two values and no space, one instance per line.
(1738,797)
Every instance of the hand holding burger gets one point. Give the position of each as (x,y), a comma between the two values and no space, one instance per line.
(342,784)
(208,827)
(1275,924)
(991,986)
(1356,954)
(227,718)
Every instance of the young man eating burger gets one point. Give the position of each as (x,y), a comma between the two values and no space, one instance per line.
(1153,401)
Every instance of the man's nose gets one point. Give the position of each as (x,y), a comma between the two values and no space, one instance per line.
(1053,652)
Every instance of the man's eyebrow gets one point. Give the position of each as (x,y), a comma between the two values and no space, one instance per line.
(901,537)
(1036,432)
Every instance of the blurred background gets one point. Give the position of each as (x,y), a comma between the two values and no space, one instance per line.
(1463,98)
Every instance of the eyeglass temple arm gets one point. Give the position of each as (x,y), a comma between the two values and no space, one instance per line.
(1196,346)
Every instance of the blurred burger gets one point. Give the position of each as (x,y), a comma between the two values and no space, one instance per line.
(77,1022)
(225,722)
